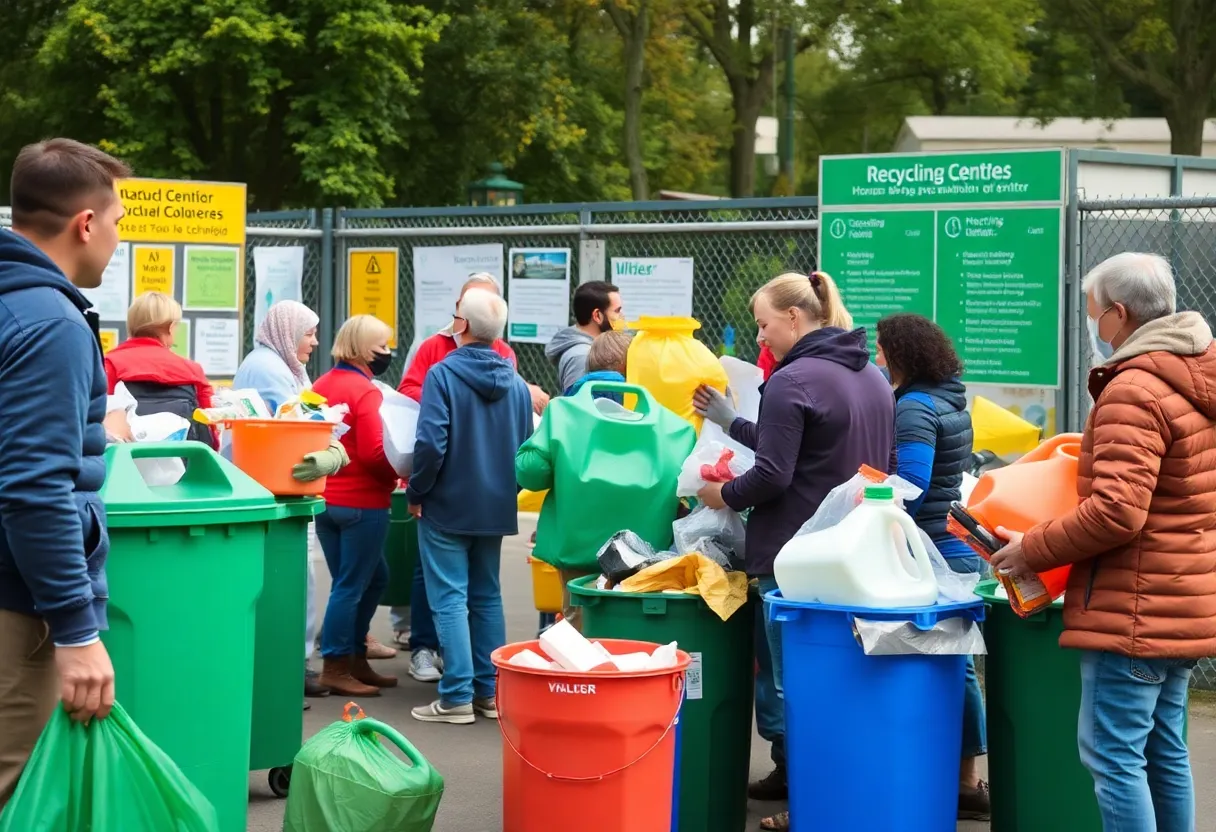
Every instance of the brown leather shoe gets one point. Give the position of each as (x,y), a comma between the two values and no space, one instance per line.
(362,671)
(336,675)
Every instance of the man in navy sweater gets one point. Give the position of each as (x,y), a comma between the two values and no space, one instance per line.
(66,211)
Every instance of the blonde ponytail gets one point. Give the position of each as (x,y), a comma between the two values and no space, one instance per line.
(815,294)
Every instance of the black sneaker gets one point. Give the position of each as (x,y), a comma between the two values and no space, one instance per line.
(312,685)
(974,804)
(771,788)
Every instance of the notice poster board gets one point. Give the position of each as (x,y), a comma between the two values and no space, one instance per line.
(973,240)
(372,276)
(186,239)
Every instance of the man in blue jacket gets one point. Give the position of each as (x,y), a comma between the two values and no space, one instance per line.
(66,211)
(476,412)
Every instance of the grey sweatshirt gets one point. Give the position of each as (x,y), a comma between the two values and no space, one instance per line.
(568,352)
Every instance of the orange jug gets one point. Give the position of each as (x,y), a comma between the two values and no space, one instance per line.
(1040,486)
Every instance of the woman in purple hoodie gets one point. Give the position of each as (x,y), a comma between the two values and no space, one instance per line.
(825,412)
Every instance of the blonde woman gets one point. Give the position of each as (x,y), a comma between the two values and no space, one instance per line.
(160,380)
(825,411)
(354,525)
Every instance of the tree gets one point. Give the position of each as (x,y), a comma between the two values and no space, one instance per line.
(302,100)
(632,19)
(1160,50)
(740,34)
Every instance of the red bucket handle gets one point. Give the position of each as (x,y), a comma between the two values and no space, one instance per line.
(677,683)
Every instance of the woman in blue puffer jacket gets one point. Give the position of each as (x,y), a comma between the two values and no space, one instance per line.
(933,443)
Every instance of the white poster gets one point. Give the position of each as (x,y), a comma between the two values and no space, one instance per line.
(217,345)
(538,294)
(278,275)
(658,286)
(111,299)
(439,272)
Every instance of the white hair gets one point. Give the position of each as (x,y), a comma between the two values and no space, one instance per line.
(486,314)
(480,279)
(1143,283)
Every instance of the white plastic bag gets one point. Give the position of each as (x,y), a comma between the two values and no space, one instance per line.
(399,418)
(708,452)
(745,381)
(121,400)
(948,637)
(721,527)
(159,427)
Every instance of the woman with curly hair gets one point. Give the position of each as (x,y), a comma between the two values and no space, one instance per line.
(933,444)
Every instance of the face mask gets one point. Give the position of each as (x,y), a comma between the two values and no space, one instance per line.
(1103,349)
(379,362)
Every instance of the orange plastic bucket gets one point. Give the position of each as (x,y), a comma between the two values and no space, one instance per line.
(588,751)
(266,449)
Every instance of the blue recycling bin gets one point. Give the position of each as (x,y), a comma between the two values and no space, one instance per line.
(873,742)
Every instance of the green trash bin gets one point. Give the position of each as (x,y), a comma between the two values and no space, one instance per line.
(716,718)
(1033,696)
(401,552)
(278,669)
(185,574)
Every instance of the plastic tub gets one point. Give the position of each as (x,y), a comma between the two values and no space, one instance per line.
(873,741)
(588,751)
(267,449)
(546,587)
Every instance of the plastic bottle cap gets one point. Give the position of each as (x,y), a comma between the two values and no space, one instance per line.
(879,492)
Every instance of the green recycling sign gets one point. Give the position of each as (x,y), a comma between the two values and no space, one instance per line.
(972,240)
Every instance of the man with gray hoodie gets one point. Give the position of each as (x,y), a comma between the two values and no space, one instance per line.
(597,309)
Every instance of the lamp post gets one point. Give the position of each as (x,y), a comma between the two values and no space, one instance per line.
(495,189)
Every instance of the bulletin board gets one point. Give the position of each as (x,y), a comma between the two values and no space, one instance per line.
(187,240)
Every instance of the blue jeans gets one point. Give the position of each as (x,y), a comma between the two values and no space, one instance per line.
(975,728)
(770,698)
(466,600)
(1130,735)
(353,542)
(421,622)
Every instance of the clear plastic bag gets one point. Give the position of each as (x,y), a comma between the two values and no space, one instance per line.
(159,427)
(399,418)
(719,534)
(709,452)
(948,637)
(625,554)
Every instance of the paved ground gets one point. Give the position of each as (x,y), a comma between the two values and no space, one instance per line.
(470,759)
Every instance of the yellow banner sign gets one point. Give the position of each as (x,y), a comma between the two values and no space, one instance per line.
(172,211)
(109,339)
(372,277)
(154,270)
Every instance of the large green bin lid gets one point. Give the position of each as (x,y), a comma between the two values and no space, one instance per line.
(300,506)
(212,491)
(994,593)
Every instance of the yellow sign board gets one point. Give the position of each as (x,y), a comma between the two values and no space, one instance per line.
(109,339)
(174,211)
(153,270)
(372,277)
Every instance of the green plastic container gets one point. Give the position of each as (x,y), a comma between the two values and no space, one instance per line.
(401,553)
(278,668)
(716,718)
(185,573)
(1033,696)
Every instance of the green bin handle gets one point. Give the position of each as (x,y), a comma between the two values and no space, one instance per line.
(205,468)
(654,606)
(646,400)
(371,727)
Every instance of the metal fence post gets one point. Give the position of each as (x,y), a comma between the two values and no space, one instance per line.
(327,313)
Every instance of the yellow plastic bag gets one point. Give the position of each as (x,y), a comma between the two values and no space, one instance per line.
(530,500)
(1000,431)
(668,361)
(724,592)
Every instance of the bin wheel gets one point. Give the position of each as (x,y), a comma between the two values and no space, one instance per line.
(279,780)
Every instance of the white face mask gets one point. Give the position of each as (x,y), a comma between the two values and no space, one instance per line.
(1102,349)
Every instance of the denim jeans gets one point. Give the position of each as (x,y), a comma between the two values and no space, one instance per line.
(770,699)
(466,600)
(975,729)
(1130,735)
(421,622)
(353,542)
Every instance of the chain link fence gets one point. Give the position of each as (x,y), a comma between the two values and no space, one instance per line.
(1181,229)
(736,246)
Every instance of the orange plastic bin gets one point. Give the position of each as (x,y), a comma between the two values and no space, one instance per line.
(266,449)
(588,751)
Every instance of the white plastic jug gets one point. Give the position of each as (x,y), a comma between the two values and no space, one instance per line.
(862,561)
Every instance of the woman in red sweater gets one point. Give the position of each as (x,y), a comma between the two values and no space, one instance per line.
(160,380)
(354,525)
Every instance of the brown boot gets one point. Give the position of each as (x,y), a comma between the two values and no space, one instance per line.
(362,671)
(336,675)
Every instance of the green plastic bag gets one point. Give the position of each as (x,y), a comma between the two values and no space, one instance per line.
(607,469)
(104,777)
(344,779)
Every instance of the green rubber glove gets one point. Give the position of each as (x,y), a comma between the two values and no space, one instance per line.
(321,463)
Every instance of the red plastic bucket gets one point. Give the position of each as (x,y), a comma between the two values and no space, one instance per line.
(588,751)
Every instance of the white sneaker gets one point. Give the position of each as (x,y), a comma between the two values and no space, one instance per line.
(451,714)
(424,666)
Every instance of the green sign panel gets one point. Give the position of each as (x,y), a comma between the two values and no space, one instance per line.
(988,270)
(954,178)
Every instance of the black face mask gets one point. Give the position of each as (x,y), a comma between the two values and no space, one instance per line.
(379,362)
